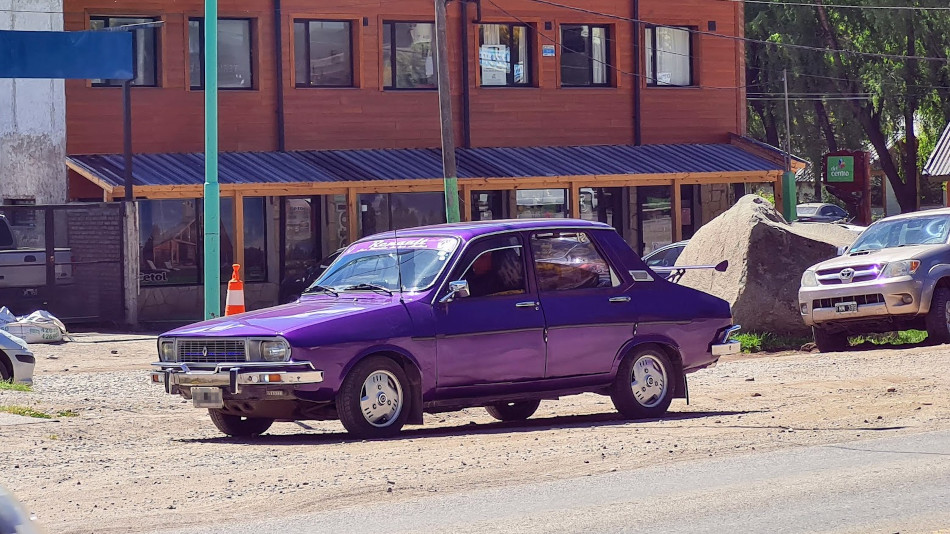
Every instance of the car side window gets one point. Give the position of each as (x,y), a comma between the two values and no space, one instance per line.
(569,260)
(827,210)
(493,266)
(667,258)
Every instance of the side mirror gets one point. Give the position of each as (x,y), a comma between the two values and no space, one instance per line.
(843,249)
(459,288)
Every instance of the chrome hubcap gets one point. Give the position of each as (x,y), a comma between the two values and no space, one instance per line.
(648,381)
(381,399)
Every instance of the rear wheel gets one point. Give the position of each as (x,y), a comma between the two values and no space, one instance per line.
(237,426)
(644,384)
(513,411)
(372,401)
(938,318)
(828,341)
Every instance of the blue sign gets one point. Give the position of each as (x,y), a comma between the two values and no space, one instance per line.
(547,51)
(66,55)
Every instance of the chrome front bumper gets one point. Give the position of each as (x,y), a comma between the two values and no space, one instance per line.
(233,376)
(895,293)
(725,346)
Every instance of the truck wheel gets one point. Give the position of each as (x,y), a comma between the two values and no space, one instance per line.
(372,401)
(938,318)
(644,384)
(513,411)
(830,342)
(237,426)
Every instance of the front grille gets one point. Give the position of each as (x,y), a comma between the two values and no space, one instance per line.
(862,273)
(212,350)
(860,299)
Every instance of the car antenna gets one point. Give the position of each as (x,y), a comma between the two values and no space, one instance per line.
(396,245)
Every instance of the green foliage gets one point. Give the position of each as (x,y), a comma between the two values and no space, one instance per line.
(767,195)
(904,337)
(9,385)
(767,342)
(32,412)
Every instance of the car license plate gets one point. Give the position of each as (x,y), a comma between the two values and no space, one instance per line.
(207,397)
(846,307)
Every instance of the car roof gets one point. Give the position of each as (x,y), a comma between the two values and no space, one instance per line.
(922,213)
(813,205)
(470,230)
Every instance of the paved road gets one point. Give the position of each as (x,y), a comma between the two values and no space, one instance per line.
(896,484)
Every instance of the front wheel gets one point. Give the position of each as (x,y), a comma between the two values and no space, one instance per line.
(644,384)
(830,342)
(938,318)
(237,426)
(513,411)
(372,401)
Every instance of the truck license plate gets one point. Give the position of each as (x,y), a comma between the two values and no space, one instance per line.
(207,397)
(846,307)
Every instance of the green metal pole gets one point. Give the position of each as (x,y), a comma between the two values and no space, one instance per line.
(212,200)
(789,196)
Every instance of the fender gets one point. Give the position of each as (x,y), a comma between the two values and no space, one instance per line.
(655,339)
(934,276)
(415,403)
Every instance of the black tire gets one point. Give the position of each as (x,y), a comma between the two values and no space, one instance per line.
(5,373)
(938,318)
(828,341)
(394,387)
(649,394)
(513,411)
(237,426)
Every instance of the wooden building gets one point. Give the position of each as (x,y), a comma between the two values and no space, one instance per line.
(329,120)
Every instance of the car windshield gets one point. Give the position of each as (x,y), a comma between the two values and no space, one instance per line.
(806,210)
(904,232)
(372,265)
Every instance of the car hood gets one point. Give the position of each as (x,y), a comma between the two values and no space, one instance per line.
(880,257)
(285,320)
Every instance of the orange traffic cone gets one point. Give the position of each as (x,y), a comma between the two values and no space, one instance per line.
(235,301)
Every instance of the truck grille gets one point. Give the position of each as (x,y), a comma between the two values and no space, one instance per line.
(212,350)
(860,299)
(861,273)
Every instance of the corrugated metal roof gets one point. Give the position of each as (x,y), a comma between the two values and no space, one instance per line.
(939,162)
(329,166)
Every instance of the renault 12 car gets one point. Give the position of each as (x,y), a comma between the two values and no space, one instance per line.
(895,276)
(500,314)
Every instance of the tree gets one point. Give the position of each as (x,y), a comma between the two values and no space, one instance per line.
(878,102)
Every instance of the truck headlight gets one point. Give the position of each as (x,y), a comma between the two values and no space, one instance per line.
(166,351)
(275,351)
(809,279)
(900,268)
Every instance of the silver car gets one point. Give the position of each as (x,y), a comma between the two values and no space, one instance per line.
(16,359)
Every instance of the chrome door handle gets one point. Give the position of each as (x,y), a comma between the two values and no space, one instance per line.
(619,299)
(530,304)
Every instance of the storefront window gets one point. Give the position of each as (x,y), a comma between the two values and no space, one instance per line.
(602,204)
(543,203)
(300,237)
(255,239)
(168,239)
(654,205)
(488,205)
(385,212)
(337,223)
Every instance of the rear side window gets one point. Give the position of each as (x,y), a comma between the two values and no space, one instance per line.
(569,260)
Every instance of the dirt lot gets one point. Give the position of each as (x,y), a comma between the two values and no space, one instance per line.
(135,459)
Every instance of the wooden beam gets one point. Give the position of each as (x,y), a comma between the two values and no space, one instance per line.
(92,178)
(676,212)
(575,192)
(352,214)
(239,234)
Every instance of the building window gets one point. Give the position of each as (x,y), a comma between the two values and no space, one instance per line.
(144,45)
(168,231)
(669,54)
(234,53)
(655,214)
(254,268)
(323,53)
(394,211)
(409,56)
(541,203)
(585,55)
(504,55)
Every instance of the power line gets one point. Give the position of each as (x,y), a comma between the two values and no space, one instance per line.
(737,38)
(847,6)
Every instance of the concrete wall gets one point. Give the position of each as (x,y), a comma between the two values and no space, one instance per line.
(32,116)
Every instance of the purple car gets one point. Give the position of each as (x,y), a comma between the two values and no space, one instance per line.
(500,314)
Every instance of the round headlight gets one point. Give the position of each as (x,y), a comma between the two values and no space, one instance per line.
(166,351)
(275,351)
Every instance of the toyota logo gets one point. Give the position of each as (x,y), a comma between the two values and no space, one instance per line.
(846,275)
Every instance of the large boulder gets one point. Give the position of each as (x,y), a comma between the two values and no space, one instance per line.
(767,257)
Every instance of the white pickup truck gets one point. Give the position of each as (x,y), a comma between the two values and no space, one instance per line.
(26,267)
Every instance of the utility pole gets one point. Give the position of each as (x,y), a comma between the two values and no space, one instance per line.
(789,189)
(449,170)
(212,191)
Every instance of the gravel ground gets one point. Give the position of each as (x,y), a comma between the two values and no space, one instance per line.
(136,460)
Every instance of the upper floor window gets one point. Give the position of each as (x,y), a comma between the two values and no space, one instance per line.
(585,55)
(144,46)
(504,55)
(669,54)
(409,55)
(323,53)
(234,53)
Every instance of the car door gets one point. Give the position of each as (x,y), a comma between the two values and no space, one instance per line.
(587,313)
(495,334)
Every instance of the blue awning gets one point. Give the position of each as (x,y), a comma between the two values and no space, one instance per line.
(329,166)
